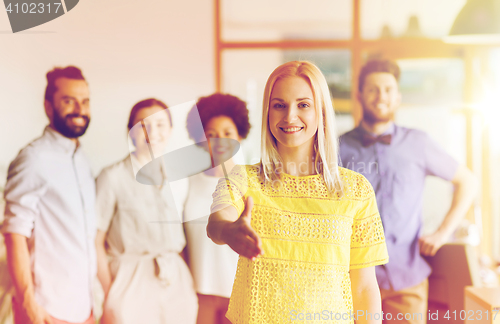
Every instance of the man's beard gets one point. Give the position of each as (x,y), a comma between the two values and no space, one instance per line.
(372,117)
(61,124)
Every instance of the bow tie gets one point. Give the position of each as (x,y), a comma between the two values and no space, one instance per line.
(368,140)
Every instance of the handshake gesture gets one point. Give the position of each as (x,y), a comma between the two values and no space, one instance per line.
(238,234)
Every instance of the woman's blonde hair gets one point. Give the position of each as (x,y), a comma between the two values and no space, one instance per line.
(325,145)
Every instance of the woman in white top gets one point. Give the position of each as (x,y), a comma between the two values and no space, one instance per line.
(145,280)
(213,266)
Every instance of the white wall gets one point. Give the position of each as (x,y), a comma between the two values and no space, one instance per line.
(128,50)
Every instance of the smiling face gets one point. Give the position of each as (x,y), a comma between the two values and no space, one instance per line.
(380,97)
(157,126)
(69,110)
(293,120)
(217,129)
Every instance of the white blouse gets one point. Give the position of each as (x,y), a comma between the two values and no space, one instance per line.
(213,266)
(138,218)
(144,236)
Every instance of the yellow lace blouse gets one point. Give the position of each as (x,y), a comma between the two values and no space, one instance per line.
(310,241)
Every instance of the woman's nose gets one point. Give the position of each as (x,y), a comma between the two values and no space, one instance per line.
(153,132)
(291,115)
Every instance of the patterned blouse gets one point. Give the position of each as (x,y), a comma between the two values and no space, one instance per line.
(311,239)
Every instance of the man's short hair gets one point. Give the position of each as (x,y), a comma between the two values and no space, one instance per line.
(377,66)
(70,72)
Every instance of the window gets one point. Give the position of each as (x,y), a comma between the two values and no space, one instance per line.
(275,20)
(339,36)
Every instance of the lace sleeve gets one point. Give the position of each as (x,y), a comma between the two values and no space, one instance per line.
(231,190)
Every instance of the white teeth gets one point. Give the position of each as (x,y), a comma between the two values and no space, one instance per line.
(291,129)
(78,120)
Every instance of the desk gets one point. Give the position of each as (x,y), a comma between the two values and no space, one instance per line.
(454,267)
(482,305)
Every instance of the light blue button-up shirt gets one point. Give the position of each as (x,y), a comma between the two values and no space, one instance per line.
(50,199)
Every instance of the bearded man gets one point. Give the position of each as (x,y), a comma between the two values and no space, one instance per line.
(396,161)
(49,224)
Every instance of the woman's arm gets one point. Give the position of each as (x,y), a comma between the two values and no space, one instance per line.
(225,227)
(366,300)
(103,272)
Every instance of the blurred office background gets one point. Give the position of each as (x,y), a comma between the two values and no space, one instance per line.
(178,51)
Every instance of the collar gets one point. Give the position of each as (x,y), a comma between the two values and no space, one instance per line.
(136,167)
(389,131)
(62,141)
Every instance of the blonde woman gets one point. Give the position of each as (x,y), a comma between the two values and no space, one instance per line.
(307,231)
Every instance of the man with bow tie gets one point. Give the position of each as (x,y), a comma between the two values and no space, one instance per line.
(396,161)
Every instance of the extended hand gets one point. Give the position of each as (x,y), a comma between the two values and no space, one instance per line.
(241,237)
(430,244)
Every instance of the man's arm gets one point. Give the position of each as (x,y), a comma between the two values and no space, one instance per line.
(18,260)
(466,185)
(366,301)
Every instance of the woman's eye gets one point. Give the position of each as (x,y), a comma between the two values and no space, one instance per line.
(278,106)
(303,105)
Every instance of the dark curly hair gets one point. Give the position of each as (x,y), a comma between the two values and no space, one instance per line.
(376,66)
(216,105)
